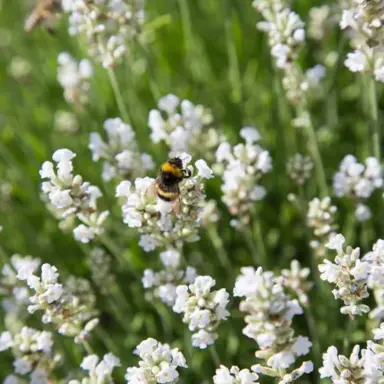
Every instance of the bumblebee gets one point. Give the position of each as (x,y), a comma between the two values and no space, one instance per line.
(166,185)
(44,11)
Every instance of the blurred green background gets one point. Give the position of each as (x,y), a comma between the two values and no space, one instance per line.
(210,53)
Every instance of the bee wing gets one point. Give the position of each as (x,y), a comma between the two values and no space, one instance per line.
(151,192)
(176,206)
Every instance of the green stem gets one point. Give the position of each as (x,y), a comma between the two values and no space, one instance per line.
(233,61)
(219,247)
(151,71)
(87,347)
(312,329)
(348,335)
(215,356)
(261,250)
(118,96)
(374,114)
(251,245)
(320,172)
(118,255)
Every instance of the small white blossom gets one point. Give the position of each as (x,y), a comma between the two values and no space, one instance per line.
(185,127)
(60,304)
(33,353)
(269,315)
(299,168)
(107,25)
(203,309)
(159,363)
(234,376)
(71,197)
(120,154)
(74,77)
(242,167)
(349,274)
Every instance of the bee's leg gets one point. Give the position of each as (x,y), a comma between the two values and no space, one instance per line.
(32,21)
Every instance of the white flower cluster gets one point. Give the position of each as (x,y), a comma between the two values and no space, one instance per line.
(183,126)
(350,275)
(100,371)
(203,309)
(367,368)
(16,295)
(164,283)
(296,280)
(286,37)
(339,367)
(375,258)
(364,19)
(358,181)
(65,122)
(108,25)
(32,350)
(269,316)
(158,363)
(242,168)
(285,30)
(120,154)
(158,224)
(234,376)
(72,197)
(74,77)
(72,315)
(99,264)
(320,22)
(299,168)
(321,219)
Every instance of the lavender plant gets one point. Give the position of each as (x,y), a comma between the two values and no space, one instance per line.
(148,254)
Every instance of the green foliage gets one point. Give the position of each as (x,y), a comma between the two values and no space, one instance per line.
(210,53)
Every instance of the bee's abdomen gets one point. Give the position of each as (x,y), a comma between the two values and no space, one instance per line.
(167,192)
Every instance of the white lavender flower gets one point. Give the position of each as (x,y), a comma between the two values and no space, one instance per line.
(163,284)
(299,168)
(364,21)
(375,258)
(286,36)
(339,367)
(16,295)
(157,222)
(65,122)
(120,154)
(159,363)
(33,353)
(350,275)
(285,30)
(184,127)
(296,280)
(269,315)
(99,371)
(203,309)
(74,77)
(321,219)
(234,376)
(71,196)
(242,168)
(320,21)
(108,25)
(358,181)
(72,315)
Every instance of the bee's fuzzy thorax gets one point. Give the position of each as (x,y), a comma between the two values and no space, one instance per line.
(172,169)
